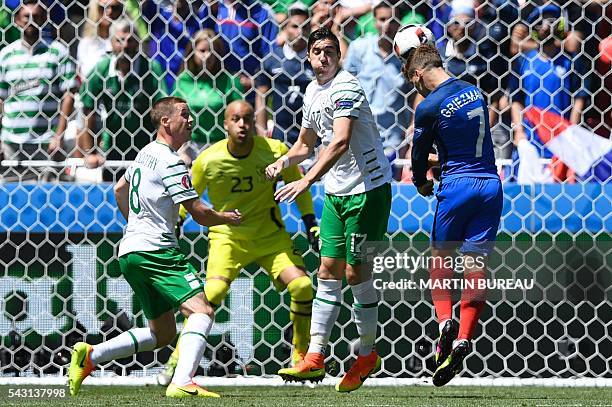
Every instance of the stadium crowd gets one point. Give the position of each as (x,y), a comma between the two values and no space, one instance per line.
(79,80)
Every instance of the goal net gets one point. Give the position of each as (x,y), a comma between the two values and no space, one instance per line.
(60,281)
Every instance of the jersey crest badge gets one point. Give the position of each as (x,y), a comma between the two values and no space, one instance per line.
(186,182)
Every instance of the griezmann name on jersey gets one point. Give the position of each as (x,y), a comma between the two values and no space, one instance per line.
(455,117)
(159,182)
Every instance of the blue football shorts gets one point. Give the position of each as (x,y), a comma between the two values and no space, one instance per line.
(468,214)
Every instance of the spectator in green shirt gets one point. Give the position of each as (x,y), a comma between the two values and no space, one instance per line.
(207,88)
(123,85)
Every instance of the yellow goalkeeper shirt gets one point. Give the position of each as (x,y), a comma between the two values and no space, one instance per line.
(240,183)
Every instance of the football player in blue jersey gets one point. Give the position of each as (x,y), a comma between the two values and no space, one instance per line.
(453,116)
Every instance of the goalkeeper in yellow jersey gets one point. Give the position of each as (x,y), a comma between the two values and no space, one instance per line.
(233,172)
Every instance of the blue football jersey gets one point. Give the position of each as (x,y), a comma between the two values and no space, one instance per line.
(455,117)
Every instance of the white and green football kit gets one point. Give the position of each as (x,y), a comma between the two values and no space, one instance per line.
(149,254)
(357,189)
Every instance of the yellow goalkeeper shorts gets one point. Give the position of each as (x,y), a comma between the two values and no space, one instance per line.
(275,253)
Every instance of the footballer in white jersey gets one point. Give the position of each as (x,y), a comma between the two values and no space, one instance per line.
(356,207)
(364,165)
(148,196)
(159,182)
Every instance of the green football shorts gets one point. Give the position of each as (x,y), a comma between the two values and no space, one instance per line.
(349,221)
(162,280)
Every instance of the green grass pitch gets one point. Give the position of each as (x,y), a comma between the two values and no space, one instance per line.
(324,396)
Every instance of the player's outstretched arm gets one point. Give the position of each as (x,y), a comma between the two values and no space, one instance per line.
(304,204)
(301,150)
(206,216)
(121,190)
(343,128)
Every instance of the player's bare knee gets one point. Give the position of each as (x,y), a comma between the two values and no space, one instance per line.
(164,333)
(164,328)
(165,336)
(325,274)
(353,279)
(328,270)
(198,309)
(197,305)
(353,275)
(290,274)
(331,269)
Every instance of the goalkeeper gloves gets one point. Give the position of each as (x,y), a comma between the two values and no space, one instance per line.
(312,231)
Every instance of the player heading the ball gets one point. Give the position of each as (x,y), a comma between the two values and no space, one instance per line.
(453,116)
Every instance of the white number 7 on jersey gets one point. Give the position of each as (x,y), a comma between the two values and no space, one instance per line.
(478,112)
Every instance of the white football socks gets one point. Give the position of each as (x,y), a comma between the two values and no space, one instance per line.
(193,343)
(126,344)
(325,310)
(365,312)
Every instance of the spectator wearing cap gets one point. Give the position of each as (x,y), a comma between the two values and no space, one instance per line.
(548,79)
(123,85)
(440,16)
(460,48)
(471,54)
(283,80)
(37,81)
(372,60)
